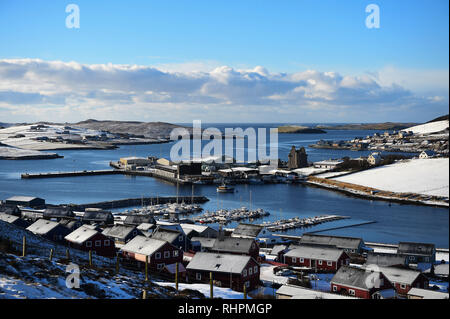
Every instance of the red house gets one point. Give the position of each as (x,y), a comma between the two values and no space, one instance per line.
(316,257)
(362,283)
(87,239)
(405,279)
(159,253)
(228,270)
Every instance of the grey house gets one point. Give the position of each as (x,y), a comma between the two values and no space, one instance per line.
(417,252)
(386,259)
(121,234)
(348,244)
(10,210)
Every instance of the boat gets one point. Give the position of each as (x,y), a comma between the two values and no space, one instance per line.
(225,189)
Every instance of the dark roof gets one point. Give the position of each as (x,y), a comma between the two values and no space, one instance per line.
(355,277)
(415,248)
(234,244)
(165,234)
(58,212)
(247,230)
(119,231)
(381,259)
(138,219)
(10,209)
(25,199)
(338,241)
(98,216)
(204,241)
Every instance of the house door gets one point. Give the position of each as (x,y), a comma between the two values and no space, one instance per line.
(313,263)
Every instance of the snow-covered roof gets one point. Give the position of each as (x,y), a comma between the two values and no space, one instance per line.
(227,263)
(354,277)
(416,248)
(297,292)
(338,241)
(399,275)
(81,234)
(427,294)
(429,128)
(322,253)
(247,230)
(143,245)
(42,226)
(204,242)
(119,231)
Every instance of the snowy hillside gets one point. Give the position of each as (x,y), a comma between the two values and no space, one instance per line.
(421,176)
(429,128)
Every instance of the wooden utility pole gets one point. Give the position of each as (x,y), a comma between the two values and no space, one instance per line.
(211,293)
(90,258)
(176,276)
(146,268)
(24,246)
(245,292)
(51,254)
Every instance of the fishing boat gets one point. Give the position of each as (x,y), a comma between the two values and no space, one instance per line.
(225,189)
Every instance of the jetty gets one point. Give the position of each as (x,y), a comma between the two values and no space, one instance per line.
(225,216)
(297,222)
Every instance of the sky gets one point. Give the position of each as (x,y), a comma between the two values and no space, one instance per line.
(224,61)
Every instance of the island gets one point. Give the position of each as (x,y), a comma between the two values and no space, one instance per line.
(299,129)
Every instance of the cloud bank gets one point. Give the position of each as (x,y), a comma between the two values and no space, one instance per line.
(33,89)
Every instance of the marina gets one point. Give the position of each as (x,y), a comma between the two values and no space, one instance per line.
(296,222)
(225,216)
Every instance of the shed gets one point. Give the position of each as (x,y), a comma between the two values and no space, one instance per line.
(87,239)
(49,229)
(14,220)
(28,201)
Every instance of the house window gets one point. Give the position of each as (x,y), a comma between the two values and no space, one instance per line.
(247,284)
(320,262)
(250,271)
(160,266)
(167,254)
(402,286)
(198,276)
(106,242)
(411,257)
(329,263)
(244,273)
(334,288)
(255,269)
(351,292)
(427,259)
(175,253)
(98,243)
(181,238)
(158,255)
(302,260)
(294,260)
(88,244)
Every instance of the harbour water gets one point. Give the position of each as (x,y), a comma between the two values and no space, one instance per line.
(394,222)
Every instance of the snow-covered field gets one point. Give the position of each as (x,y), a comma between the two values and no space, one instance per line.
(429,128)
(421,176)
(218,292)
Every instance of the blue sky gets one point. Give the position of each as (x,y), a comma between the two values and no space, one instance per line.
(240,49)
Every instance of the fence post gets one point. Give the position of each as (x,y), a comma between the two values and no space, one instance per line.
(51,254)
(245,292)
(24,246)
(144,294)
(211,293)
(67,254)
(90,258)
(146,268)
(176,276)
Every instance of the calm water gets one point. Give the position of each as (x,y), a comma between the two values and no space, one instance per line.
(394,222)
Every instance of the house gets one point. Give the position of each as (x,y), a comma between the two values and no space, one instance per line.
(146,229)
(239,246)
(71,224)
(417,252)
(279,251)
(58,213)
(14,220)
(427,154)
(192,230)
(374,159)
(319,258)
(176,238)
(260,233)
(10,210)
(297,292)
(328,164)
(97,216)
(121,234)
(49,229)
(28,201)
(361,283)
(159,253)
(202,243)
(348,244)
(228,270)
(88,239)
(386,259)
(404,279)
(136,220)
(417,293)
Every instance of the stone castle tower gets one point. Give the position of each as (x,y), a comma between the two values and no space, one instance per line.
(297,158)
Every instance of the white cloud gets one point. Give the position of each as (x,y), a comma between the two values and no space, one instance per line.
(70,91)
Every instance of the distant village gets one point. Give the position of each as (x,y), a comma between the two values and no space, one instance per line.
(244,258)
